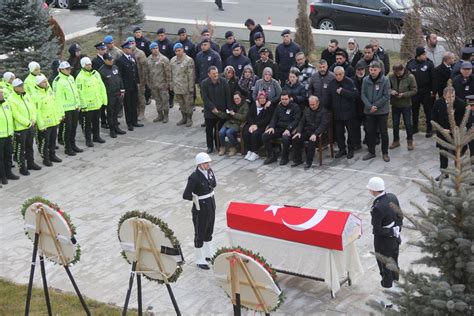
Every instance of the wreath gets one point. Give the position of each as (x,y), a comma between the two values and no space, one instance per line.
(67,218)
(164,228)
(261,260)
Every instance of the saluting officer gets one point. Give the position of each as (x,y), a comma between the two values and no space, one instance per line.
(387,223)
(200,190)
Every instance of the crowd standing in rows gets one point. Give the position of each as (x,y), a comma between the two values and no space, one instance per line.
(261,97)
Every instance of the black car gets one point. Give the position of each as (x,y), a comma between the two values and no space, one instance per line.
(382,16)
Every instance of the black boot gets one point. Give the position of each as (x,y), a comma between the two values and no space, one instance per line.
(24,171)
(10,175)
(98,139)
(47,163)
(33,166)
(113,134)
(119,131)
(76,149)
(55,158)
(89,143)
(70,152)
(4,180)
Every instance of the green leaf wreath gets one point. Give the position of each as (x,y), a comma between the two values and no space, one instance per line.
(164,228)
(261,260)
(67,218)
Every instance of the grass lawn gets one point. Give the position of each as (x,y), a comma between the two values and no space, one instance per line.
(13,298)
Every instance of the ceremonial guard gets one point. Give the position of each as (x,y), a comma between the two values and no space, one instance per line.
(387,223)
(200,190)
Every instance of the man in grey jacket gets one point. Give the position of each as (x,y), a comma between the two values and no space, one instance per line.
(376,97)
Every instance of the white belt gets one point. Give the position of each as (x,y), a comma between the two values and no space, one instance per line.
(196,199)
(390,225)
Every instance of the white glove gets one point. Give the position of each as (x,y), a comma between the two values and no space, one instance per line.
(396,231)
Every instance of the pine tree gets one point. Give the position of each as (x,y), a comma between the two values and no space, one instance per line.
(413,34)
(304,34)
(447,234)
(25,36)
(117,15)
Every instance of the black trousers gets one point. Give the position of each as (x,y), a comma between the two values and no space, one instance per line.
(341,126)
(388,247)
(113,108)
(374,122)
(212,131)
(218,3)
(358,123)
(252,141)
(298,147)
(71,119)
(24,146)
(6,153)
(425,99)
(47,142)
(203,221)
(103,115)
(130,102)
(285,140)
(91,124)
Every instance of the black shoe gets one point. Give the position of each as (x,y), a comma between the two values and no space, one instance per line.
(33,166)
(221,9)
(77,149)
(340,153)
(104,125)
(56,147)
(171,105)
(429,134)
(445,176)
(350,154)
(47,163)
(270,159)
(4,180)
(368,156)
(12,176)
(137,125)
(98,140)
(70,152)
(283,162)
(296,164)
(89,143)
(55,158)
(130,128)
(203,266)
(210,150)
(119,131)
(357,147)
(24,171)
(113,134)
(203,125)
(307,166)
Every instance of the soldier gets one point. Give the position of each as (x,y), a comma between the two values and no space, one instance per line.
(111,48)
(387,222)
(115,92)
(158,78)
(188,46)
(285,54)
(6,83)
(49,114)
(254,54)
(205,59)
(206,35)
(92,96)
(64,87)
(24,121)
(237,60)
(166,48)
(182,83)
(200,190)
(141,59)
(142,43)
(30,81)
(6,141)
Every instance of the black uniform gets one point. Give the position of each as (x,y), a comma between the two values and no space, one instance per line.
(189,48)
(238,62)
(203,219)
(441,75)
(285,57)
(97,62)
(254,55)
(386,243)
(113,84)
(463,87)
(204,60)
(143,44)
(166,48)
(128,69)
(258,28)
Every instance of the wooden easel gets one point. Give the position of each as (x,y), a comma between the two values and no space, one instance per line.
(140,231)
(234,263)
(43,216)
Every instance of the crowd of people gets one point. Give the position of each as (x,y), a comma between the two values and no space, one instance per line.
(262,97)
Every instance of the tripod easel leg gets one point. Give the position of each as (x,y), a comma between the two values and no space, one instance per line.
(173,300)
(32,274)
(83,302)
(129,291)
(45,285)
(139,294)
(237,306)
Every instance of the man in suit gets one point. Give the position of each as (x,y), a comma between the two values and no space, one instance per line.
(127,66)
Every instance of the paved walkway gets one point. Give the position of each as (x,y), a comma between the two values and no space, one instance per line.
(147,170)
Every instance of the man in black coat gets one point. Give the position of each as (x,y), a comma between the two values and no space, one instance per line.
(97,62)
(206,58)
(381,54)
(442,74)
(206,35)
(127,66)
(254,51)
(343,94)
(253,28)
(314,122)
(265,62)
(237,60)
(200,190)
(189,47)
(285,119)
(285,55)
(215,93)
(360,117)
(463,83)
(329,54)
(387,221)
(342,61)
(141,41)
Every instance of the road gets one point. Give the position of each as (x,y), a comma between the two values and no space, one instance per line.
(236,11)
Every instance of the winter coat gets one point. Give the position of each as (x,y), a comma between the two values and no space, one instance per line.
(166,48)
(306,71)
(6,87)
(285,57)
(6,120)
(129,72)
(204,60)
(357,56)
(158,72)
(65,90)
(384,58)
(215,95)
(258,28)
(227,51)
(260,66)
(91,89)
(376,92)
(143,44)
(436,54)
(441,75)
(112,80)
(238,63)
(272,88)
(286,117)
(183,75)
(48,111)
(463,87)
(359,104)
(296,91)
(348,69)
(440,115)
(423,72)
(189,48)
(318,86)
(331,57)
(406,84)
(343,104)
(140,57)
(23,110)
(262,119)
(315,122)
(254,55)
(236,120)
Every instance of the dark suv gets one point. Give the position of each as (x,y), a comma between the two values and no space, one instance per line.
(382,16)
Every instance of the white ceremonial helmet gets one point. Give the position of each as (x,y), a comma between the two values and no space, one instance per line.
(376,184)
(202,158)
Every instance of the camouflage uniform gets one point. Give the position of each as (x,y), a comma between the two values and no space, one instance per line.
(140,57)
(183,78)
(158,79)
(115,52)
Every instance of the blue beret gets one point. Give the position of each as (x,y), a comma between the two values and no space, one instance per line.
(161,30)
(285,31)
(131,39)
(153,45)
(177,45)
(108,39)
(258,35)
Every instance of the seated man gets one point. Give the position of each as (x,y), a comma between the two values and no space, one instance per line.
(284,121)
(314,122)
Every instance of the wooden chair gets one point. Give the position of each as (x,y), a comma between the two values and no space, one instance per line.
(327,139)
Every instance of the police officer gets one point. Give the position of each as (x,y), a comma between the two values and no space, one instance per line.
(254,53)
(141,41)
(237,60)
(6,141)
(463,83)
(228,47)
(30,81)
(98,60)
(115,92)
(64,87)
(6,83)
(200,190)
(285,54)
(92,96)
(158,78)
(387,221)
(206,58)
(24,121)
(184,40)
(205,34)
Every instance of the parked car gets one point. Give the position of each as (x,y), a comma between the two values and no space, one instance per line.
(381,16)
(68,4)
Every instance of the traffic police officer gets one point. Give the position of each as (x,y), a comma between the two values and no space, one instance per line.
(200,190)
(6,141)
(387,223)
(30,81)
(6,83)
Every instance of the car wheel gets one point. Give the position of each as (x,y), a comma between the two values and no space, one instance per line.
(63,4)
(327,24)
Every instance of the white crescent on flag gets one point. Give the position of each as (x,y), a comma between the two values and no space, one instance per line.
(313,221)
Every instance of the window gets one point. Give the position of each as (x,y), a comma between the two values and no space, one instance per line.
(372,4)
(352,3)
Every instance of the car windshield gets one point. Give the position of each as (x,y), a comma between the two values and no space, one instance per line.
(399,4)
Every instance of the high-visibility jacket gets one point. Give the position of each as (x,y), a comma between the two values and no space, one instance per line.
(6,87)
(65,90)
(48,111)
(23,110)
(92,92)
(6,120)
(30,83)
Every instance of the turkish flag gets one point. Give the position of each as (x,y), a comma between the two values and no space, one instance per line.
(321,228)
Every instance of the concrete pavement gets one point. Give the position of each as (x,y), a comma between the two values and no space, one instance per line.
(147,170)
